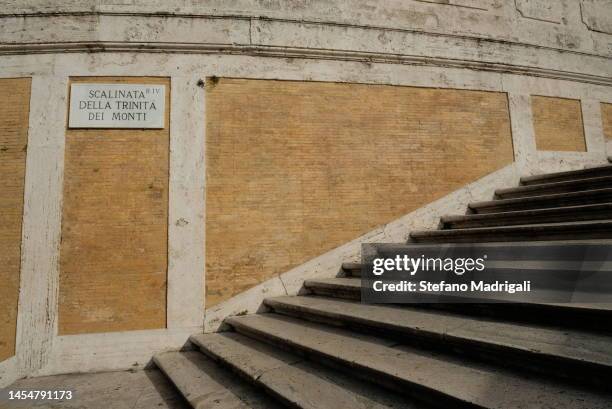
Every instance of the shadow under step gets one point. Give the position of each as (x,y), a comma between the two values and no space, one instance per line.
(351,269)
(580,356)
(437,379)
(598,171)
(348,288)
(524,217)
(533,232)
(292,380)
(206,385)
(586,197)
(556,187)
(587,316)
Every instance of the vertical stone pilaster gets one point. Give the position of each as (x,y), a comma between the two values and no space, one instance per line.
(186,213)
(593,127)
(523,135)
(41,234)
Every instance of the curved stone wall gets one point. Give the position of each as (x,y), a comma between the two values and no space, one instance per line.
(557,39)
(549,60)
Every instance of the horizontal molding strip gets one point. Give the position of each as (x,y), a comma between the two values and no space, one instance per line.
(250,19)
(288,52)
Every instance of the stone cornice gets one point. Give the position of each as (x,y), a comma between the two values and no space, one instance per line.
(95,32)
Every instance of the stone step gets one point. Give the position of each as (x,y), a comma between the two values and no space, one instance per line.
(577,355)
(347,288)
(524,217)
(595,317)
(435,378)
(605,170)
(205,385)
(351,269)
(291,379)
(600,229)
(549,201)
(555,187)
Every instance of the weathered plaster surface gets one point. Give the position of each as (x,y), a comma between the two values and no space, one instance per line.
(490,35)
(466,44)
(505,20)
(551,11)
(593,130)
(523,136)
(186,205)
(9,371)
(109,351)
(37,310)
(596,15)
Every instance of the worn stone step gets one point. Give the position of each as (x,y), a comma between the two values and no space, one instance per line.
(352,272)
(578,355)
(348,288)
(600,229)
(597,171)
(555,187)
(549,201)
(205,385)
(524,217)
(596,317)
(351,269)
(440,379)
(293,380)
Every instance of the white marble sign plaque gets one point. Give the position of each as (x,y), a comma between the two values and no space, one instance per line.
(117,105)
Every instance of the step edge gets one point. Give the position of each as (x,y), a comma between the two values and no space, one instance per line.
(522,228)
(542,186)
(349,366)
(442,336)
(552,196)
(527,212)
(544,176)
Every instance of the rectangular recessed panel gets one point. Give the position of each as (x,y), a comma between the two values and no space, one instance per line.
(606,117)
(295,169)
(115,226)
(558,124)
(14,112)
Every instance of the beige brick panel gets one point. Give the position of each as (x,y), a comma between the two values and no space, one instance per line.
(14,112)
(295,169)
(558,124)
(114,251)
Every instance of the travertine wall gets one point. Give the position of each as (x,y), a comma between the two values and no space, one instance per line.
(14,110)
(606,116)
(518,48)
(558,124)
(114,248)
(381,26)
(298,168)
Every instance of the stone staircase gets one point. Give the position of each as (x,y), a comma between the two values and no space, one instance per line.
(327,350)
